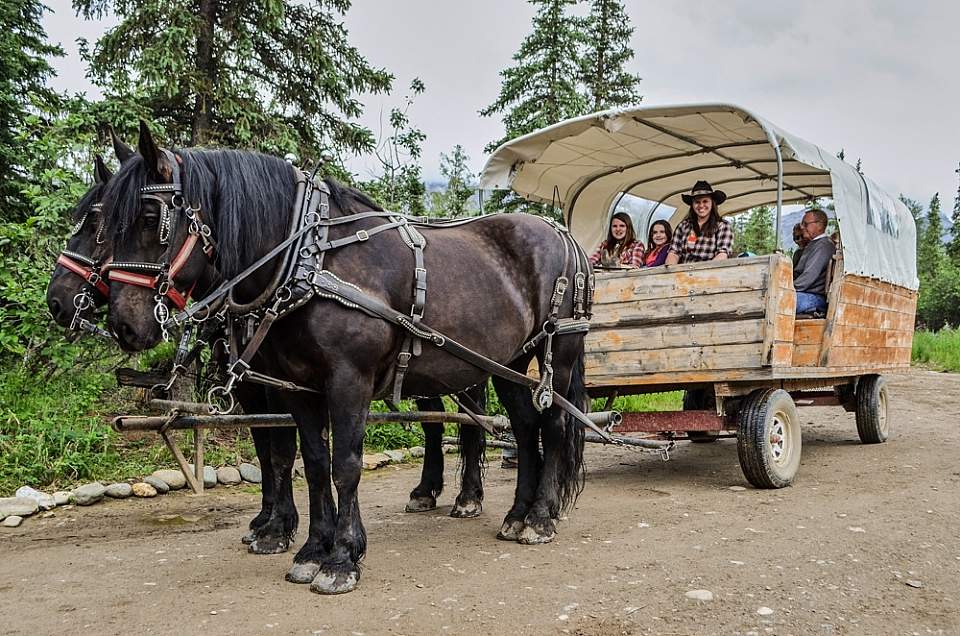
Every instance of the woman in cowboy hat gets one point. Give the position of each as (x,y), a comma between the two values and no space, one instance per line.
(703,235)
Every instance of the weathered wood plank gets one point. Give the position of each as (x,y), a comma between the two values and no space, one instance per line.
(683,335)
(679,359)
(806,355)
(782,354)
(866,356)
(857,336)
(858,316)
(809,331)
(864,295)
(700,308)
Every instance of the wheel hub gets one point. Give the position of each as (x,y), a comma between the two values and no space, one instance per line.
(778,447)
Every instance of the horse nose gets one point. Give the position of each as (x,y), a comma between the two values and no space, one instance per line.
(56,310)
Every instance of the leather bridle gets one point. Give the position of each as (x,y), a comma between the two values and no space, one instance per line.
(160,276)
(90,270)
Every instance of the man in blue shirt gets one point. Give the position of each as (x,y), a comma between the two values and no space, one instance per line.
(810,272)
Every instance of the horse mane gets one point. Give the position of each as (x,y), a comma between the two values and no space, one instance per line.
(91,196)
(246,196)
(350,200)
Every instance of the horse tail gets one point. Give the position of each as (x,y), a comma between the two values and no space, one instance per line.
(476,398)
(571,472)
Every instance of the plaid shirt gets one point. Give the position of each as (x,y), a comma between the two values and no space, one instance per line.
(693,249)
(632,256)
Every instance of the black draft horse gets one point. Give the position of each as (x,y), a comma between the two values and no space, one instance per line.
(490,288)
(78,277)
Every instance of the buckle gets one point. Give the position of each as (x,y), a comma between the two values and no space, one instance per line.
(362,235)
(403,358)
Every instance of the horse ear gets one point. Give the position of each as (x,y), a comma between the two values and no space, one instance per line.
(101,173)
(148,149)
(122,150)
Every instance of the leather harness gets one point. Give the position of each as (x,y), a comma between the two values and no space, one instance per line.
(300,276)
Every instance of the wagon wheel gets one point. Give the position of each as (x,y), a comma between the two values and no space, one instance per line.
(768,438)
(873,425)
(697,400)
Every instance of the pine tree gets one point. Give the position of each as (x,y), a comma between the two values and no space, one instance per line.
(541,89)
(953,248)
(276,75)
(930,252)
(606,54)
(755,233)
(460,184)
(23,95)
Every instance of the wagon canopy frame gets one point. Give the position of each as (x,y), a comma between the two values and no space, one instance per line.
(656,153)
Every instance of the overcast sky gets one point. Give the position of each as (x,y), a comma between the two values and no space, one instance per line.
(878,78)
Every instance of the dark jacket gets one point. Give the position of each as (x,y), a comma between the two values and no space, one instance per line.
(810,274)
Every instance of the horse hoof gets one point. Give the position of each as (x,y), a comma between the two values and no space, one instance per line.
(510,530)
(303,572)
(249,538)
(467,510)
(335,582)
(421,504)
(533,535)
(269,545)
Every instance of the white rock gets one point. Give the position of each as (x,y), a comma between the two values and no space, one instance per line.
(12,521)
(395,456)
(913,583)
(45,501)
(737,488)
(61,497)
(209,476)
(174,479)
(120,490)
(228,476)
(251,473)
(88,494)
(700,595)
(372,462)
(18,506)
(417,451)
(764,611)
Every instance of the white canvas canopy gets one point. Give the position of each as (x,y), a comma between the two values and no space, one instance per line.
(657,153)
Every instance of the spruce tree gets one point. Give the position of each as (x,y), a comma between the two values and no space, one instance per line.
(276,75)
(953,248)
(541,89)
(23,95)
(930,253)
(755,233)
(607,51)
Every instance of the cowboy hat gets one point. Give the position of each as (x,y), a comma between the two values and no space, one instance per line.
(702,188)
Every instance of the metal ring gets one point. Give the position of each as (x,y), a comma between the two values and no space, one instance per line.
(177,200)
(225,394)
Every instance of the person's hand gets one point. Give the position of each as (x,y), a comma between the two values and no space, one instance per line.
(721,256)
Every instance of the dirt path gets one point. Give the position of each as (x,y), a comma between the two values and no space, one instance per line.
(830,555)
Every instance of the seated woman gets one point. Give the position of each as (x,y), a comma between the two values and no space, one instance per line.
(621,247)
(703,235)
(658,244)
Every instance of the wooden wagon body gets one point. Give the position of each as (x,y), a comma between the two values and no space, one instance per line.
(726,332)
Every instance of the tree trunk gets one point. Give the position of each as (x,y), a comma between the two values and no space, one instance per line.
(200,132)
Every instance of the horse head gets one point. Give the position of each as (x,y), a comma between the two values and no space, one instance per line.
(77,286)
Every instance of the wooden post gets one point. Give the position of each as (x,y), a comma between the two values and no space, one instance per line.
(182,462)
(198,457)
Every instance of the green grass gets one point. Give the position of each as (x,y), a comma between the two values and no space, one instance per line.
(939,350)
(668,401)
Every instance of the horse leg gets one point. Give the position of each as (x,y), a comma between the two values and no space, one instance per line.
(253,400)
(424,496)
(310,412)
(469,502)
(562,477)
(523,420)
(349,394)
(275,535)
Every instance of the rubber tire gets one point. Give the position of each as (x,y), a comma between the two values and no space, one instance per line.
(697,400)
(756,417)
(873,423)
